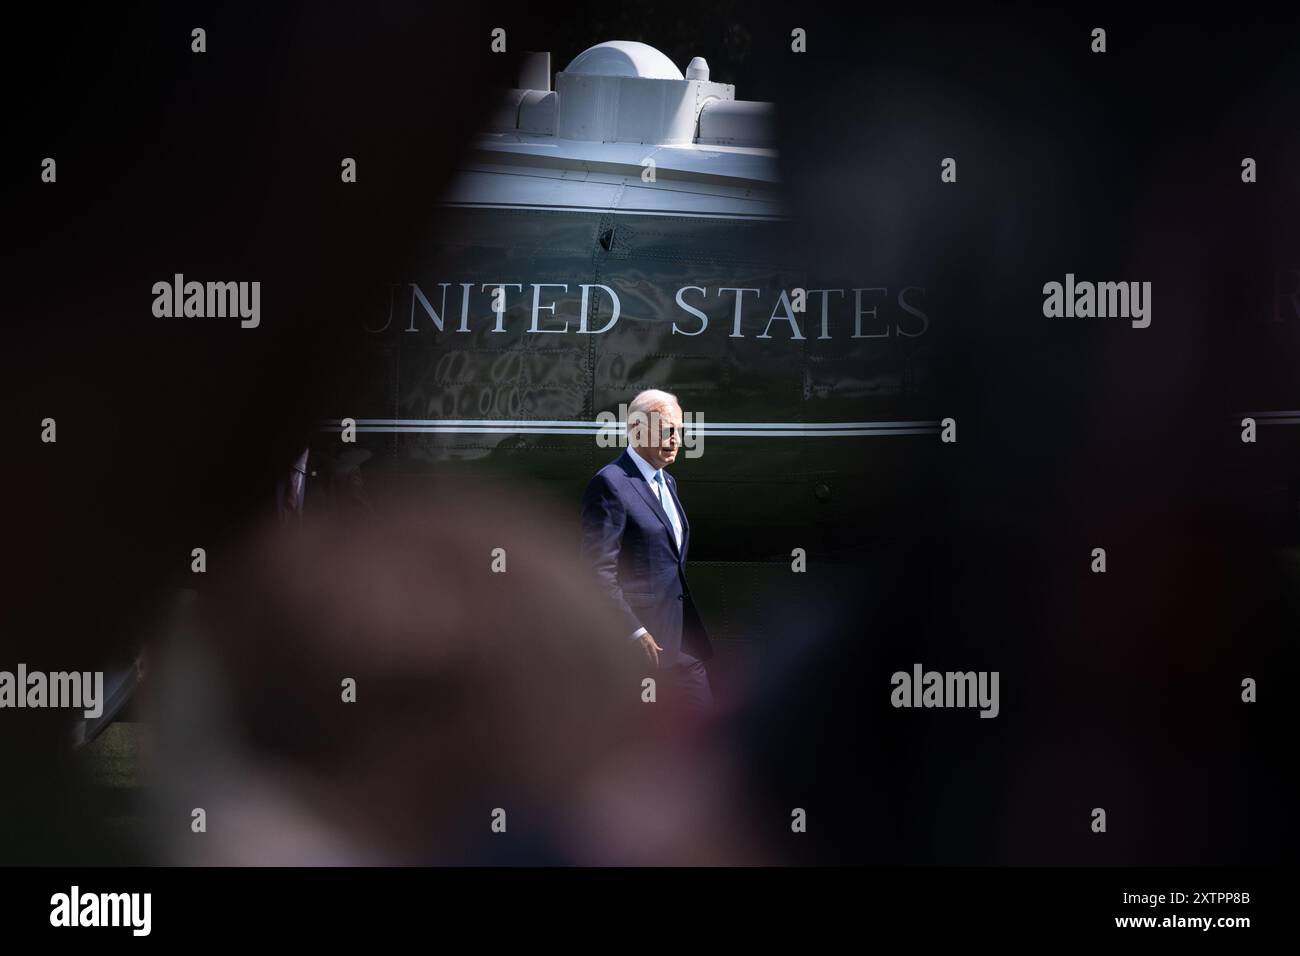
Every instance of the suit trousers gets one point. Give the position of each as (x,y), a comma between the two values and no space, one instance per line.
(688,687)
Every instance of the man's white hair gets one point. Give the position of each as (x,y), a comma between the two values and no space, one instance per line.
(651,398)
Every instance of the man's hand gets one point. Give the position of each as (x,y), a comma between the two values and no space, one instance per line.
(650,647)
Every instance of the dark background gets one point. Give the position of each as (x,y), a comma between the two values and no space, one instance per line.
(1118,690)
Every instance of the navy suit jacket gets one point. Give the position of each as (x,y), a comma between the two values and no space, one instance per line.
(629,543)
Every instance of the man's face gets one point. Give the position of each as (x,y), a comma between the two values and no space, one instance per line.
(658,435)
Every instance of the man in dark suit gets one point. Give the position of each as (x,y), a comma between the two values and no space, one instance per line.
(635,536)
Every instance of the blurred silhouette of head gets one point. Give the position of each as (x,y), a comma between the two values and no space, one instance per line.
(483,673)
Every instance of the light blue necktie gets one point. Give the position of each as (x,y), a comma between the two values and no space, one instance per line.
(666,500)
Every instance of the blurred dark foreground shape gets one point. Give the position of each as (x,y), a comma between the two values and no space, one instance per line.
(475,691)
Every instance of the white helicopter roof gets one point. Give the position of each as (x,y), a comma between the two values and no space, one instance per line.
(624,132)
(625,58)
